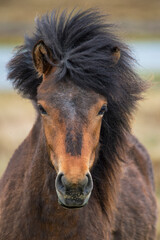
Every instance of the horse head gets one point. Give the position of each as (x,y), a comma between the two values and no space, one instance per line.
(72,119)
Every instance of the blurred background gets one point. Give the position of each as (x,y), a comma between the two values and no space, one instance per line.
(137,23)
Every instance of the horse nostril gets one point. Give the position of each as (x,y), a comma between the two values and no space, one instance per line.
(60,182)
(89,184)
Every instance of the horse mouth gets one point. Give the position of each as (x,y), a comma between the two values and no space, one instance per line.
(70,207)
(71,202)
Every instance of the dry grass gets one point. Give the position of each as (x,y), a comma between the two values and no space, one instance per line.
(17,116)
(135,18)
(27,10)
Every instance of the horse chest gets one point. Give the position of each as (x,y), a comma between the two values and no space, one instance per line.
(81,233)
(82,224)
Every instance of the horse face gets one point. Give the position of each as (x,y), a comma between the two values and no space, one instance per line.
(71,119)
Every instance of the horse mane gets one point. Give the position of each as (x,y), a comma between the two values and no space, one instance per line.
(81,44)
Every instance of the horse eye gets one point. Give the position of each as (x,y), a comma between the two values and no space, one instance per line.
(41,109)
(103,110)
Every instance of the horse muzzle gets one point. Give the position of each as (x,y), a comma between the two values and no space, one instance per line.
(71,195)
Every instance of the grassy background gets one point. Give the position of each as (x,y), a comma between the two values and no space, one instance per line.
(17,116)
(134,18)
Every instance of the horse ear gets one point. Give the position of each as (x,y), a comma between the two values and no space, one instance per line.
(42,58)
(116,54)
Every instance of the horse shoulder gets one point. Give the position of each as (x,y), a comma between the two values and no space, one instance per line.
(135,215)
(12,184)
(141,159)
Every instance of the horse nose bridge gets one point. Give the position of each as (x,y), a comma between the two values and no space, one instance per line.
(74,139)
(74,168)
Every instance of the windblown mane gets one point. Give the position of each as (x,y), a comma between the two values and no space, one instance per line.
(81,44)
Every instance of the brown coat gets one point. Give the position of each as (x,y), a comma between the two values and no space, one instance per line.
(30,211)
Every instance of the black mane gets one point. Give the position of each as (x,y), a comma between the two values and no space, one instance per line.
(82,45)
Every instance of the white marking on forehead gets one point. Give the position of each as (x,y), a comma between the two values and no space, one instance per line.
(70,95)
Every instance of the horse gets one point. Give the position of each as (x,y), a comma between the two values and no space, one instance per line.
(80,174)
